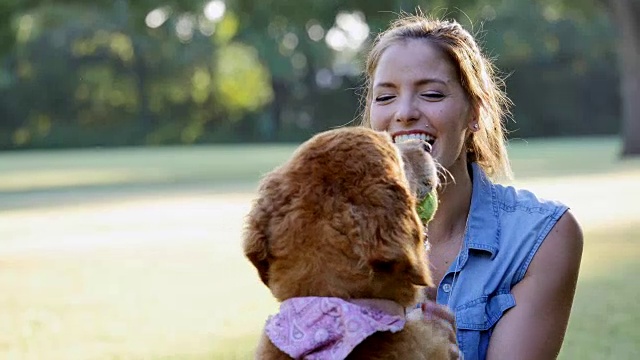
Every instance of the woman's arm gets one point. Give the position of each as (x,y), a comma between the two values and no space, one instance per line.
(535,327)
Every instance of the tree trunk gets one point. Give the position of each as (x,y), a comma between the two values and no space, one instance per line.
(280,97)
(141,75)
(626,14)
(139,71)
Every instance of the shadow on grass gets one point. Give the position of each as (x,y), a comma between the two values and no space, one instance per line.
(40,178)
(88,195)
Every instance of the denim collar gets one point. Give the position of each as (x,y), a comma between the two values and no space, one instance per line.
(482,228)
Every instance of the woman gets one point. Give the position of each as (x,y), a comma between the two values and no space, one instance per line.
(506,262)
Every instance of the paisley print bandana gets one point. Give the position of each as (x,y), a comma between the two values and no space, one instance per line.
(330,328)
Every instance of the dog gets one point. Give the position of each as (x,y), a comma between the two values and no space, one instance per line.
(419,167)
(334,234)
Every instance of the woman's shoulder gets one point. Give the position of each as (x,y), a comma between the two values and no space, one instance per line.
(510,197)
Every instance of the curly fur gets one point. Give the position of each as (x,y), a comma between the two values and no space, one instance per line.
(338,219)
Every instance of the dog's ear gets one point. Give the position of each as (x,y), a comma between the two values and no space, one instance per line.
(255,242)
(388,262)
(256,233)
(397,244)
(419,273)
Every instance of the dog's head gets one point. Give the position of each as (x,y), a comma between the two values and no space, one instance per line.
(422,175)
(419,167)
(339,219)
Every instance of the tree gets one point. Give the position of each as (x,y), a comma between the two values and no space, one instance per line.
(313,54)
(625,17)
(293,38)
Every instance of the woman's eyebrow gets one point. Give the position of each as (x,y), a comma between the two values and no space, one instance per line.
(385,85)
(418,82)
(430,80)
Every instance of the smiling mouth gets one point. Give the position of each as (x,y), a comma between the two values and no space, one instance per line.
(419,136)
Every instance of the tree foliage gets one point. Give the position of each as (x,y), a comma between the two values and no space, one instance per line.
(625,17)
(131,72)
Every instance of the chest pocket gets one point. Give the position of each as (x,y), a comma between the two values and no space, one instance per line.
(483,312)
(475,321)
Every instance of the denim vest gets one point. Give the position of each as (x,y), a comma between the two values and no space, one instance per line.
(505,228)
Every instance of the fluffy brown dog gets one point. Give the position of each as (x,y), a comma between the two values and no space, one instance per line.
(338,220)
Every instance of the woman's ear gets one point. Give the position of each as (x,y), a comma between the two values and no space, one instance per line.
(473,122)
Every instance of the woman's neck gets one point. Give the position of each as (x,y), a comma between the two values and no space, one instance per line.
(454,198)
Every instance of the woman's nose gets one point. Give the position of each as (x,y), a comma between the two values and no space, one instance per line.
(407,111)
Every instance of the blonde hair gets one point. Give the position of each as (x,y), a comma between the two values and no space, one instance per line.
(483,88)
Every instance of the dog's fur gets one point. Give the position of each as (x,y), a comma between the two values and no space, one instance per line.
(339,220)
(419,167)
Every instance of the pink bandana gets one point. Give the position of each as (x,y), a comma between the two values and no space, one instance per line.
(329,328)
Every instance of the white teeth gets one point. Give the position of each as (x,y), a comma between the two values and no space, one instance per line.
(423,137)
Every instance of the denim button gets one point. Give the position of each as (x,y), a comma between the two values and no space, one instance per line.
(446,287)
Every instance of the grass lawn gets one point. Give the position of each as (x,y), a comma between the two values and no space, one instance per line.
(135,253)
(217,165)
(37,170)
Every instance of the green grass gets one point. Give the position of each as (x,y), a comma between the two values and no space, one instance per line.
(605,322)
(37,170)
(568,157)
(244,165)
(160,275)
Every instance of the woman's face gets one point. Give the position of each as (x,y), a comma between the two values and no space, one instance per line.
(416,93)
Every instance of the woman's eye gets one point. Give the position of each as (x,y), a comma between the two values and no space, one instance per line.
(383,98)
(433,96)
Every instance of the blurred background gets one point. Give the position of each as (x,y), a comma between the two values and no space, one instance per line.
(133,134)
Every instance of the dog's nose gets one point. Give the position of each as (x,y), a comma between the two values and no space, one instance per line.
(426,146)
